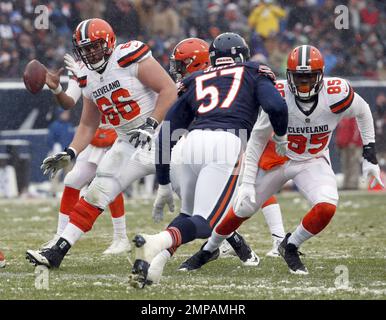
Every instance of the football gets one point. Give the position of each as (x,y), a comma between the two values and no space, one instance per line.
(34,76)
(2,260)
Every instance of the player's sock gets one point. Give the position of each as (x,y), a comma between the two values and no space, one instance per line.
(82,219)
(273,218)
(313,223)
(69,199)
(118,218)
(230,223)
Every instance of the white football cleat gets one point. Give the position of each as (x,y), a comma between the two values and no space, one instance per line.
(50,244)
(226,250)
(253,261)
(119,245)
(157,267)
(274,252)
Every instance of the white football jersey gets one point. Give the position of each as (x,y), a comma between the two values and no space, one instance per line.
(121,98)
(309,132)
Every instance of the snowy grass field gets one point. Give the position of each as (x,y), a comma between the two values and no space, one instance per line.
(352,248)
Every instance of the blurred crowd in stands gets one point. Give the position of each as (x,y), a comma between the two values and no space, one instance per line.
(271,27)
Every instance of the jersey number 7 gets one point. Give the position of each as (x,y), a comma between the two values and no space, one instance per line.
(212,91)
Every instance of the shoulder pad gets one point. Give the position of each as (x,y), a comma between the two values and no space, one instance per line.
(131,52)
(340,94)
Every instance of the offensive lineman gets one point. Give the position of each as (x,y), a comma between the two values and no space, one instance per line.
(86,163)
(133,92)
(315,107)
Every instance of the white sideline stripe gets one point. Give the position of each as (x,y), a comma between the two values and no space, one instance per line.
(22,132)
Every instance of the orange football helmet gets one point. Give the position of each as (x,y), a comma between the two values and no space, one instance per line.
(189,55)
(305,70)
(94,42)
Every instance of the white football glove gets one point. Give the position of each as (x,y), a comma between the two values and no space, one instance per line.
(144,134)
(52,164)
(370,170)
(247,192)
(71,65)
(281,144)
(164,196)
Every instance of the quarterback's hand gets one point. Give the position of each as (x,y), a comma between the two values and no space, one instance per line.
(143,134)
(52,164)
(71,65)
(164,196)
(246,192)
(370,170)
(53,79)
(281,144)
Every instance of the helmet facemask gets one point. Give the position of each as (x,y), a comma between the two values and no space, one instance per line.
(94,54)
(305,85)
(178,68)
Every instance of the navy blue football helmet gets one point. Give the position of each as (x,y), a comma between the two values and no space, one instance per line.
(228,48)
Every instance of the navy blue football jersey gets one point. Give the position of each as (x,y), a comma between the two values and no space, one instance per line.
(227,97)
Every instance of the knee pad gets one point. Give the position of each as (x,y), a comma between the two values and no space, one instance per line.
(82,173)
(247,209)
(102,191)
(84,215)
(319,217)
(327,194)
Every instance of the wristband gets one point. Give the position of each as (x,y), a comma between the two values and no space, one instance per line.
(369,153)
(71,152)
(58,90)
(152,122)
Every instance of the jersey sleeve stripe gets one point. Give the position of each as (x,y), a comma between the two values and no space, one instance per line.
(82,81)
(344,104)
(134,56)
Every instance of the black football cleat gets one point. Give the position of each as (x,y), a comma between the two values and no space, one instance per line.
(49,257)
(291,254)
(200,258)
(247,256)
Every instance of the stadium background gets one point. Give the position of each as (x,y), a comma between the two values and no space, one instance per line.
(271,28)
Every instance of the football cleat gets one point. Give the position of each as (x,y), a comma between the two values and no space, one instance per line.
(247,256)
(226,250)
(200,258)
(157,267)
(51,257)
(274,252)
(146,250)
(119,245)
(290,254)
(51,243)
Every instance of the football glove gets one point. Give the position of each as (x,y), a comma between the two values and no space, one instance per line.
(71,65)
(370,167)
(370,170)
(52,164)
(246,192)
(281,144)
(143,134)
(164,196)
(266,71)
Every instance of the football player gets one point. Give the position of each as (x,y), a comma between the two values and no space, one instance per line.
(132,91)
(191,55)
(86,163)
(315,107)
(220,106)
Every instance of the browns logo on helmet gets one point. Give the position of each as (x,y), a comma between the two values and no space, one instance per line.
(188,56)
(305,70)
(94,42)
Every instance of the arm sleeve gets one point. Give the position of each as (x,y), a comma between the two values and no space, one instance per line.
(361,111)
(179,116)
(261,133)
(73,90)
(273,104)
